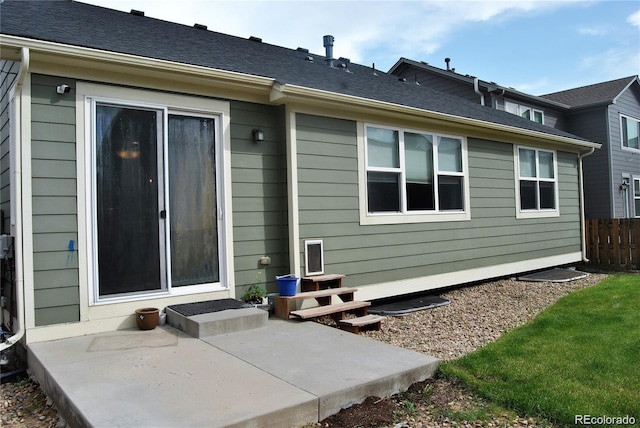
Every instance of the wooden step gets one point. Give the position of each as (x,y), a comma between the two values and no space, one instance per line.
(320,293)
(282,304)
(366,322)
(335,309)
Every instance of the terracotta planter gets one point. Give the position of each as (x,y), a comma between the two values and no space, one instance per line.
(147,318)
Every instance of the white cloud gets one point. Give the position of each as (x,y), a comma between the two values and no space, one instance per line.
(634,19)
(593,31)
(612,64)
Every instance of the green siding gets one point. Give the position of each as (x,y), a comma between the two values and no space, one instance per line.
(55,221)
(8,72)
(259,189)
(328,201)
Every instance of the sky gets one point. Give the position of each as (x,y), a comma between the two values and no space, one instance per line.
(537,47)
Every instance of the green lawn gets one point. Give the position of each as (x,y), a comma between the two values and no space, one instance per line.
(579,357)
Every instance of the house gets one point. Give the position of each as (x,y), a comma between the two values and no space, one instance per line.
(146,163)
(607,112)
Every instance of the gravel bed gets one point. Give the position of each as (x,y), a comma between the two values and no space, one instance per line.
(476,316)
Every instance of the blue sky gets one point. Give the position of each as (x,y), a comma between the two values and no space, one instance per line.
(537,47)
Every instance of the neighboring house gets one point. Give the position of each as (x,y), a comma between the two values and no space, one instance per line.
(607,112)
(146,163)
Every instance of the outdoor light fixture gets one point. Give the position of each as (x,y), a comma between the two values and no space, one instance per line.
(258,135)
(63,89)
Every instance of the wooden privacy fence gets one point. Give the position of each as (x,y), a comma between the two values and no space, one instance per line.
(614,242)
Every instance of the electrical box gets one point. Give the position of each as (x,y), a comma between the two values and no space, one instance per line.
(6,247)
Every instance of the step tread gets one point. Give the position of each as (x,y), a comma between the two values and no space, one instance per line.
(319,311)
(363,320)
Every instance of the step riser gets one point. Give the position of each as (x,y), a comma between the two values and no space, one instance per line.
(216,323)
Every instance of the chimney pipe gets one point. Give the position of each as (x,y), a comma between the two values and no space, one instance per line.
(447,60)
(328,46)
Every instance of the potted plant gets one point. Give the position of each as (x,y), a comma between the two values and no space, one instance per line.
(255,295)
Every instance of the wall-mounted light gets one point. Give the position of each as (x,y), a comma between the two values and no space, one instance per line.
(258,135)
(63,89)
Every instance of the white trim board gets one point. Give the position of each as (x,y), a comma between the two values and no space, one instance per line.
(432,282)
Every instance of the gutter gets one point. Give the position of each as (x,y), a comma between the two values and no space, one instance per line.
(583,232)
(282,93)
(17,182)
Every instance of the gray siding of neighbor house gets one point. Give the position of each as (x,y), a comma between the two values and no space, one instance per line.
(623,161)
(328,202)
(259,195)
(55,219)
(8,72)
(440,83)
(592,124)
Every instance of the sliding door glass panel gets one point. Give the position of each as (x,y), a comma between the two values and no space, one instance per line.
(192,194)
(128,242)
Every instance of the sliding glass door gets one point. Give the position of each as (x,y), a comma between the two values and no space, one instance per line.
(147,190)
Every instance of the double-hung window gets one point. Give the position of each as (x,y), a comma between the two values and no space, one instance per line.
(413,175)
(630,132)
(537,182)
(636,195)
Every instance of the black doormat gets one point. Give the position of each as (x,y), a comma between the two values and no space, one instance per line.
(199,308)
(403,307)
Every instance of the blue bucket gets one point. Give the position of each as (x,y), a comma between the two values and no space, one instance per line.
(287,284)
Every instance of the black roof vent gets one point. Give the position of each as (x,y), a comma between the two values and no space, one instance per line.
(255,39)
(137,12)
(200,26)
(308,58)
(305,50)
(402,79)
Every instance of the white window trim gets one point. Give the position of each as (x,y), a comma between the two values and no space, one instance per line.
(86,95)
(367,218)
(630,149)
(521,107)
(633,194)
(536,213)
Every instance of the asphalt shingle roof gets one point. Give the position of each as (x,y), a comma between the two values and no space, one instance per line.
(604,92)
(78,24)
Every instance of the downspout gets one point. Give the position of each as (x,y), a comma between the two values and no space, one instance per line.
(583,232)
(476,89)
(17,176)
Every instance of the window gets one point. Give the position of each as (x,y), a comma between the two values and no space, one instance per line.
(636,195)
(524,111)
(630,132)
(537,184)
(412,173)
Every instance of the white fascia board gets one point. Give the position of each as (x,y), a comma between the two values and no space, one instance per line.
(286,93)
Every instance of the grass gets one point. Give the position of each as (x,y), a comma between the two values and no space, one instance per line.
(579,357)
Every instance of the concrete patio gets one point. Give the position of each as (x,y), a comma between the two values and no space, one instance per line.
(285,374)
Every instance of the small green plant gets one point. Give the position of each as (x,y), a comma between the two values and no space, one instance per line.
(409,407)
(256,292)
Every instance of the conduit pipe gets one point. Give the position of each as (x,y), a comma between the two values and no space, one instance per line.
(583,232)
(17,203)
(476,89)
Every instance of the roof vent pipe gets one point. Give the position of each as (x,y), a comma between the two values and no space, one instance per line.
(328,46)
(448,60)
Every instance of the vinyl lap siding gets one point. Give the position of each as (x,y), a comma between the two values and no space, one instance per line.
(623,161)
(8,72)
(55,220)
(592,125)
(328,201)
(259,189)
